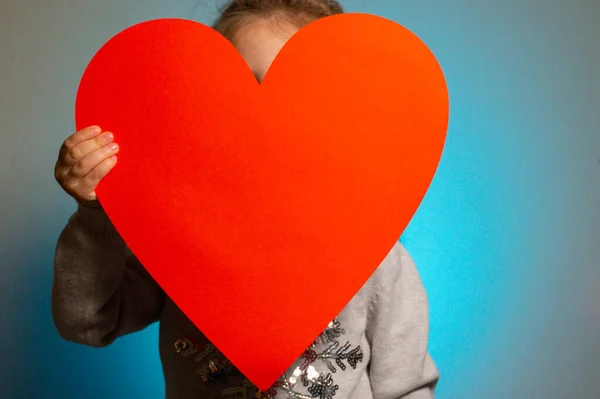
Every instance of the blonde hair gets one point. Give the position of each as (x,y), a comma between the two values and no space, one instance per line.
(236,13)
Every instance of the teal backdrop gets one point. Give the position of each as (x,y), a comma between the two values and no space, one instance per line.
(506,240)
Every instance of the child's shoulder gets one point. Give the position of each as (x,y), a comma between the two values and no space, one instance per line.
(396,262)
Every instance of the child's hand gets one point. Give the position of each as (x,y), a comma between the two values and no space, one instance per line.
(84,159)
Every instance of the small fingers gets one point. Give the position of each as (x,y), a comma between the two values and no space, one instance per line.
(75,153)
(84,188)
(100,171)
(78,137)
(85,165)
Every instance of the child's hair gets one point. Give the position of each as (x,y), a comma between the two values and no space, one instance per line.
(299,12)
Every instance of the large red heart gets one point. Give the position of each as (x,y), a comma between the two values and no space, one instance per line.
(262,209)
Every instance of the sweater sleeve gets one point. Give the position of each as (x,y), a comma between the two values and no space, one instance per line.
(100,291)
(398,328)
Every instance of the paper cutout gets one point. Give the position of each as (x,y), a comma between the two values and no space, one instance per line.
(262,209)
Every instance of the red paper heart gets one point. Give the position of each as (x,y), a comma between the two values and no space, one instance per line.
(262,209)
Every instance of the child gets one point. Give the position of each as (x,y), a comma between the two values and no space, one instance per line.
(375,349)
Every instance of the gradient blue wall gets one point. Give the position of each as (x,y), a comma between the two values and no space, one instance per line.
(506,240)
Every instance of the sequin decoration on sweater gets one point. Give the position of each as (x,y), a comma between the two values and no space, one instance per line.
(314,378)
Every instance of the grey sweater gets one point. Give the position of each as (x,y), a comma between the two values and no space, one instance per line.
(375,349)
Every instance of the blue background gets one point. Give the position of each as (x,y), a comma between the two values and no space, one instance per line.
(506,240)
